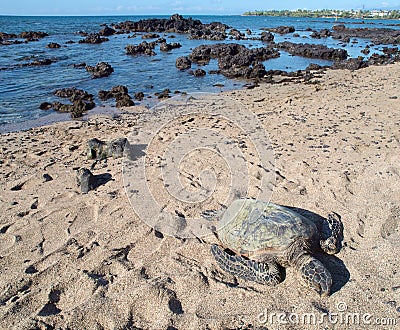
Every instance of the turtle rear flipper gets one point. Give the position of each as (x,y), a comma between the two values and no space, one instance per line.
(332,234)
(264,273)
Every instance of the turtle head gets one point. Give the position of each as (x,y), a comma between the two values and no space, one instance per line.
(332,234)
(330,245)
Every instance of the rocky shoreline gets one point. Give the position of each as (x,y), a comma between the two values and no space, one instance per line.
(235,61)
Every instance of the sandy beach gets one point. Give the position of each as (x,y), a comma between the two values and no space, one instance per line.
(87,261)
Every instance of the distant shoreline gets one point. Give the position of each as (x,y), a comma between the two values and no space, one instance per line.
(330,13)
(328,17)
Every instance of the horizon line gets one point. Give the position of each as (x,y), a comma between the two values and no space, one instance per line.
(100,15)
(184,14)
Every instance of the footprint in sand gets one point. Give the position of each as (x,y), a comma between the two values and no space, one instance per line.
(390,229)
(7,240)
(361,225)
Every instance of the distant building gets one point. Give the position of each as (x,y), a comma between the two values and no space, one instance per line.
(378,13)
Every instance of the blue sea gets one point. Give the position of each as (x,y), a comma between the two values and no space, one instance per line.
(23,89)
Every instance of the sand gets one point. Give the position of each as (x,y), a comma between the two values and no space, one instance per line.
(88,261)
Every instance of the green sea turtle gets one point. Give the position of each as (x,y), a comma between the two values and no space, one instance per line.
(264,235)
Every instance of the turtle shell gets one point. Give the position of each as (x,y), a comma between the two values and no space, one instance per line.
(255,227)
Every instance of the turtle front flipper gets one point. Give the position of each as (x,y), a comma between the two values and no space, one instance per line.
(332,234)
(264,273)
(315,274)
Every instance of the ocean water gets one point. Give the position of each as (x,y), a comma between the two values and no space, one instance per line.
(23,89)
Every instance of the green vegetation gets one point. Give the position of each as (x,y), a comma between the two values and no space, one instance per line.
(376,14)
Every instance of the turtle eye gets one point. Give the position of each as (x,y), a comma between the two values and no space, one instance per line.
(333,245)
(329,245)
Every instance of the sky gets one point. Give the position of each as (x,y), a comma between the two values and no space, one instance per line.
(167,7)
